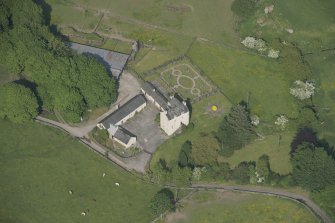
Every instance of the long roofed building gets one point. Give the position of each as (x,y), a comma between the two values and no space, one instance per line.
(173,112)
(113,122)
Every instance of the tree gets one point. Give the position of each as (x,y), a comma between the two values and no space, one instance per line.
(263,167)
(304,135)
(66,81)
(162,201)
(313,168)
(204,150)
(184,158)
(181,176)
(241,173)
(218,171)
(17,103)
(302,90)
(235,131)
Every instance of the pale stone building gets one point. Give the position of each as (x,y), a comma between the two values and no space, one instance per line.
(173,113)
(114,121)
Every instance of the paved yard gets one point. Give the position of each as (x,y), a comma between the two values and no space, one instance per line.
(143,125)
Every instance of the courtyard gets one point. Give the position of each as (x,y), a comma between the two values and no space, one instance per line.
(143,125)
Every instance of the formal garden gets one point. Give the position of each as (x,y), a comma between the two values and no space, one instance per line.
(182,77)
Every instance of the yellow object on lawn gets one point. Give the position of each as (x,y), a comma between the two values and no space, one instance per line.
(214,108)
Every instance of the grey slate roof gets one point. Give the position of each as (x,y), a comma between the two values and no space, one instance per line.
(124,110)
(115,60)
(156,94)
(123,135)
(176,108)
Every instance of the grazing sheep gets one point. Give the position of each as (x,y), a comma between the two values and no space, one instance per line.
(103,175)
(83,213)
(70,192)
(117,184)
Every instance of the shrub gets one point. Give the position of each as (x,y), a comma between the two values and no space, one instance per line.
(240,174)
(162,201)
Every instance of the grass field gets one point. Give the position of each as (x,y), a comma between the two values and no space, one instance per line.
(168,26)
(312,21)
(215,207)
(204,123)
(39,166)
(6,77)
(238,73)
(188,17)
(278,154)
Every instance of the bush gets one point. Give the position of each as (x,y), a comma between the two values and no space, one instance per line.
(236,130)
(240,174)
(244,8)
(218,171)
(184,158)
(162,201)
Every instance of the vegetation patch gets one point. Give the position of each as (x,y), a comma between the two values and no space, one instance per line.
(44,169)
(237,207)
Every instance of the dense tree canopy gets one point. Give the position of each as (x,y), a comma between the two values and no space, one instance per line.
(236,130)
(66,81)
(184,158)
(263,167)
(162,201)
(17,103)
(313,168)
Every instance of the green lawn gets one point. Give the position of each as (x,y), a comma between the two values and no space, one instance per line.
(39,165)
(168,26)
(204,123)
(188,17)
(238,73)
(312,21)
(6,77)
(215,207)
(279,155)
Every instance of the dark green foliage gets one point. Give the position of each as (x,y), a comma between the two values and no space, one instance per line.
(244,8)
(162,201)
(313,168)
(66,81)
(181,176)
(4,17)
(184,158)
(218,171)
(304,134)
(263,167)
(235,131)
(240,174)
(17,103)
